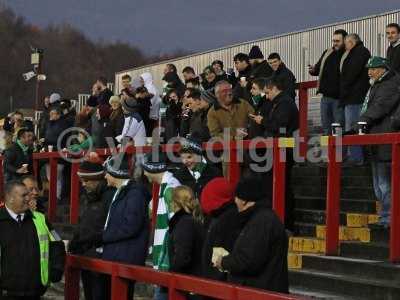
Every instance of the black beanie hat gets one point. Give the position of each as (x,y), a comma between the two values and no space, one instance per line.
(155,163)
(251,188)
(191,145)
(91,170)
(118,166)
(255,53)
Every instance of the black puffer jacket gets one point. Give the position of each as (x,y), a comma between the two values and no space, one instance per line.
(261,70)
(92,217)
(196,125)
(223,228)
(243,92)
(393,56)
(185,177)
(184,245)
(259,257)
(384,98)
(20,256)
(55,131)
(354,80)
(287,79)
(14,158)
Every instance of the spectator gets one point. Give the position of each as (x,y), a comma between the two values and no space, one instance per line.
(261,106)
(85,142)
(193,83)
(68,112)
(259,256)
(284,75)
(26,273)
(209,79)
(147,82)
(185,233)
(134,131)
(218,67)
(173,82)
(155,169)
(354,84)
(229,112)
(170,68)
(102,130)
(188,74)
(127,82)
(222,223)
(94,204)
(328,70)
(117,116)
(126,231)
(36,202)
(144,100)
(18,159)
(54,99)
(44,117)
(195,171)
(194,116)
(282,120)
(172,115)
(101,94)
(381,101)
(242,65)
(17,123)
(259,66)
(393,51)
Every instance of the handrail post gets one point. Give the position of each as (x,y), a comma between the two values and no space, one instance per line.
(279,184)
(72,278)
(119,287)
(333,199)
(233,165)
(75,187)
(303,119)
(52,189)
(174,294)
(395,206)
(155,192)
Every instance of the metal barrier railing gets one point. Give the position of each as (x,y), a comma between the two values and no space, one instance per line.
(177,284)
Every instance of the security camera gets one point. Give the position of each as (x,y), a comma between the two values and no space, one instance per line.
(29,75)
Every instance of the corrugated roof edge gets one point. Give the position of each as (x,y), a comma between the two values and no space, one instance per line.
(261,39)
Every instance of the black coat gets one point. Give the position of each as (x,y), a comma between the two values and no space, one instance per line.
(43,121)
(185,177)
(393,56)
(282,115)
(92,217)
(184,244)
(354,80)
(329,75)
(117,121)
(54,131)
(172,122)
(100,130)
(259,257)
(144,111)
(263,108)
(20,256)
(14,158)
(223,229)
(196,125)
(243,92)
(384,98)
(126,236)
(102,98)
(261,70)
(287,79)
(174,82)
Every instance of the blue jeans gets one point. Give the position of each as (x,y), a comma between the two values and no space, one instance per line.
(352,115)
(381,176)
(160,293)
(331,112)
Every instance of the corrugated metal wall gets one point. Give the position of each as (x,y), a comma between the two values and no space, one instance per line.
(297,50)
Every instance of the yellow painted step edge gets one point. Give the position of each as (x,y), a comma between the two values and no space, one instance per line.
(307,245)
(361,234)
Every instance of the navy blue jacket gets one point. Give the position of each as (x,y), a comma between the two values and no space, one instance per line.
(126,237)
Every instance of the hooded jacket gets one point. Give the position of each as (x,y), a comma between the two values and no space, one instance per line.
(156,100)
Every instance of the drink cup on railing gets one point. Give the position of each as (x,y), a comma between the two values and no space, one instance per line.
(336,129)
(362,128)
(50,148)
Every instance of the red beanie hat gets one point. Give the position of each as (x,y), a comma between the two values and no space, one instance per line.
(215,194)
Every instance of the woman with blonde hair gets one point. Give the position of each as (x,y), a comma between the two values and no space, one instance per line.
(185,233)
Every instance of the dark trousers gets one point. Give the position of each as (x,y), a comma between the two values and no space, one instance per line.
(20,298)
(107,281)
(94,285)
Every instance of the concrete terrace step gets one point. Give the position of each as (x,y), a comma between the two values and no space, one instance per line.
(348,205)
(310,169)
(350,286)
(372,251)
(361,234)
(351,192)
(348,219)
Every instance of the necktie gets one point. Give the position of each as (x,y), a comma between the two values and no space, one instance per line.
(19,219)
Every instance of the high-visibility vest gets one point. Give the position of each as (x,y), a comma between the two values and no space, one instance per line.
(44,236)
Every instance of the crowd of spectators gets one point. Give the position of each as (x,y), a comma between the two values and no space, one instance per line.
(204,226)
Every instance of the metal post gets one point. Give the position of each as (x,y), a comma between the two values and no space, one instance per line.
(233,166)
(52,189)
(395,206)
(333,200)
(75,188)
(279,184)
(72,278)
(119,288)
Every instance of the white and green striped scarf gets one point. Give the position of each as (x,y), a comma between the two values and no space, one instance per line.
(164,214)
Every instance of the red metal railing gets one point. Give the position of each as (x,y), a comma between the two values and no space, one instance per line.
(333,189)
(177,283)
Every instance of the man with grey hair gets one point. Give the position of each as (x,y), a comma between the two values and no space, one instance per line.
(228,112)
(354,84)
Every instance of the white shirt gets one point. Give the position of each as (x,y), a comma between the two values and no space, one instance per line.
(14,215)
(134,128)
